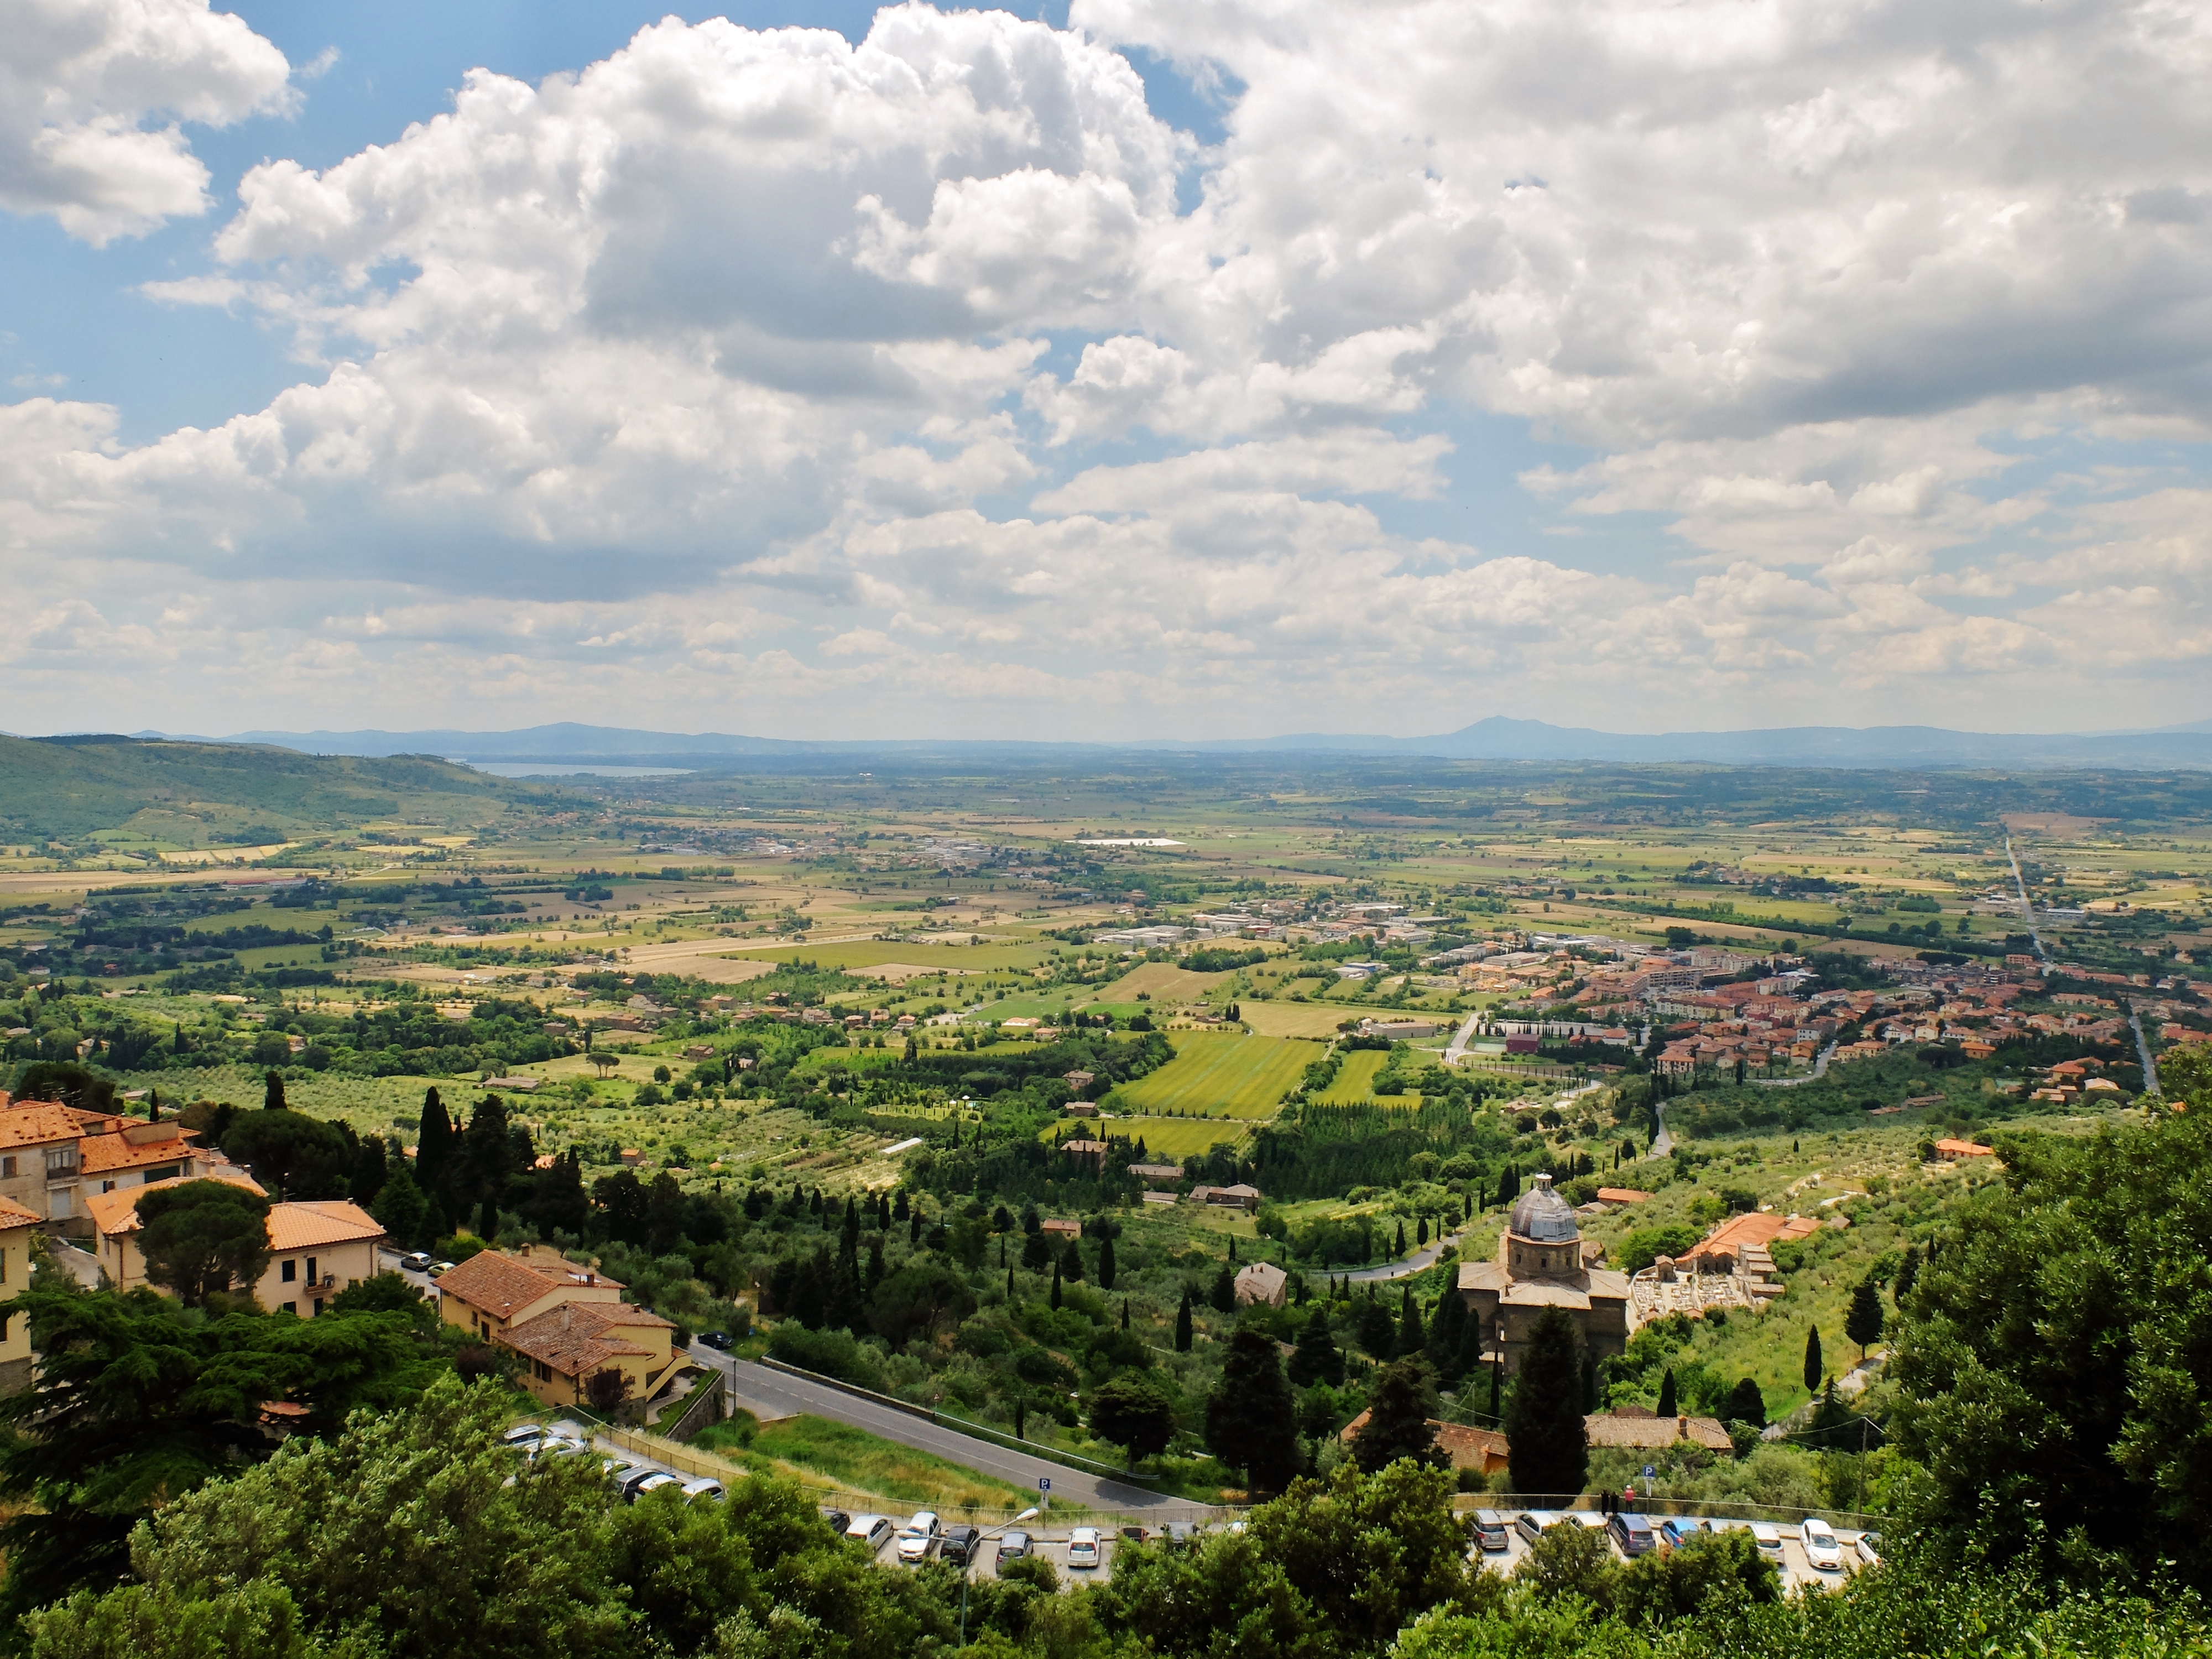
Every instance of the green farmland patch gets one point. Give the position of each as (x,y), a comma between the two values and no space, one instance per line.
(1245,1077)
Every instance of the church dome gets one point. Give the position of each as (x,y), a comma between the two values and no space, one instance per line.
(1542,1216)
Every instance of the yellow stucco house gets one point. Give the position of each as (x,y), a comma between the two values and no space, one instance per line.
(564,1321)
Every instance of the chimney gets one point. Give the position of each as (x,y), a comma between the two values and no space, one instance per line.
(564,1316)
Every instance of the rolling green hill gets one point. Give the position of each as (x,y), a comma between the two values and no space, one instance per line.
(64,788)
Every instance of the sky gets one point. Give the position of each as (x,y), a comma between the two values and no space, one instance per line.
(1125,369)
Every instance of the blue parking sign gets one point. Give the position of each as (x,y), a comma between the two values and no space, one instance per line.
(1650,1473)
(1044,1483)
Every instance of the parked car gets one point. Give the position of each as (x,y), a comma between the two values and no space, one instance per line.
(1675,1529)
(522,1434)
(959,1544)
(1490,1532)
(838,1520)
(1633,1534)
(1768,1538)
(873,1530)
(1533,1524)
(438,1269)
(416,1261)
(1869,1548)
(705,1486)
(652,1482)
(619,1469)
(1822,1553)
(555,1445)
(718,1340)
(1013,1545)
(1180,1532)
(1588,1520)
(1083,1548)
(919,1536)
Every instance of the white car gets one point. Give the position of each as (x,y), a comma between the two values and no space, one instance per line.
(1822,1553)
(869,1529)
(919,1536)
(706,1486)
(1869,1549)
(1082,1547)
(1768,1537)
(522,1434)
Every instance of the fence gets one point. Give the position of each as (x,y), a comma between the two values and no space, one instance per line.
(958,1425)
(703,1405)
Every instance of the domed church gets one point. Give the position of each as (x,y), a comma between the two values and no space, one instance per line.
(1543,1262)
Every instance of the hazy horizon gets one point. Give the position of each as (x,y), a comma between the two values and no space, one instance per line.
(1121,374)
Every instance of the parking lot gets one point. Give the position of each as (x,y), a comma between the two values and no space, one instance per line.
(1050,1540)
(1797,1572)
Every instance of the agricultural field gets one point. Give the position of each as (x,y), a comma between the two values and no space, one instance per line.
(1355,1077)
(1177,1137)
(1221,1075)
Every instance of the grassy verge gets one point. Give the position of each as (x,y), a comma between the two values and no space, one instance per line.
(861,1461)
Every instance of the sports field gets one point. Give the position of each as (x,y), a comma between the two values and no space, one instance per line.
(1243,1077)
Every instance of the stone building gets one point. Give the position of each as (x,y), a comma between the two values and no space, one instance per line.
(1543,1261)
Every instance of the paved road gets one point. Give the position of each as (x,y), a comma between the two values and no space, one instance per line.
(1820,1069)
(1425,1257)
(1456,1050)
(1662,1143)
(80,1265)
(2143,1050)
(2027,909)
(774,1394)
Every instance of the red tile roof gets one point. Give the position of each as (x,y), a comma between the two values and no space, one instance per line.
(577,1337)
(33,1122)
(500,1285)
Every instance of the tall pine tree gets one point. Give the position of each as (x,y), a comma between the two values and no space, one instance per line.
(1813,1369)
(1666,1408)
(1182,1323)
(1250,1424)
(1546,1444)
(1863,1323)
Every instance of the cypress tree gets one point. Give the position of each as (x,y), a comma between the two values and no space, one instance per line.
(1746,1404)
(1125,1313)
(1863,1323)
(914,1226)
(1182,1323)
(272,1092)
(1400,1247)
(487,1221)
(434,1141)
(1404,1398)
(1813,1369)
(1250,1424)
(1447,1334)
(1908,1271)
(1316,1358)
(1547,1445)
(1071,1260)
(1010,1284)
(1222,1299)
(1106,1264)
(1410,1338)
(1666,1408)
(1421,1232)
(1055,1286)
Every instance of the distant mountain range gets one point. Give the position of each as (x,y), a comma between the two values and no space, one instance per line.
(1495,739)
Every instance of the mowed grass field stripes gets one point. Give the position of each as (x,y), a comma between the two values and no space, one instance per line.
(1244,1077)
(1181,1137)
(1355,1077)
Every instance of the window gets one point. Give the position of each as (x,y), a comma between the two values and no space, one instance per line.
(292,1308)
(311,1270)
(61,1161)
(318,1307)
(8,1168)
(288,1272)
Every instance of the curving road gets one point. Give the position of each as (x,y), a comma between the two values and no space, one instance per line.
(1820,1069)
(776,1394)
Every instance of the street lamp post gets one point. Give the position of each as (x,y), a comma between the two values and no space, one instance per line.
(968,1567)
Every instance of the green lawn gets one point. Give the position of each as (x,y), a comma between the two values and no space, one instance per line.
(1243,1076)
(1355,1078)
(1180,1137)
(865,1462)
